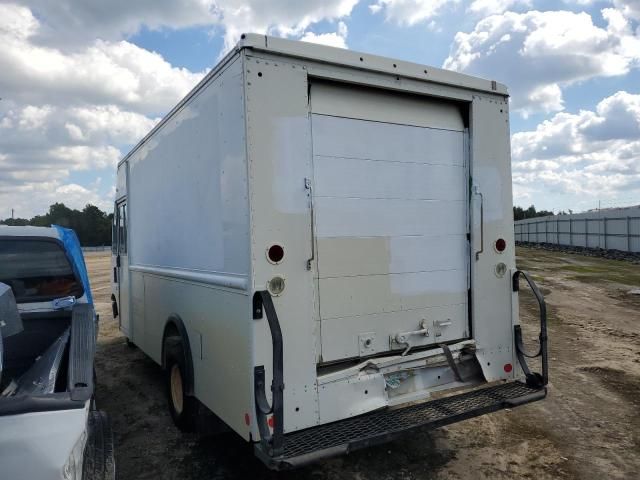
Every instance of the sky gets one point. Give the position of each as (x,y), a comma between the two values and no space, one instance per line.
(82,81)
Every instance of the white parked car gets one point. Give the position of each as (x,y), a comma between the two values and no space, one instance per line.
(49,427)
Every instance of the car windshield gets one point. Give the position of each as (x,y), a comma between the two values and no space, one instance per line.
(37,270)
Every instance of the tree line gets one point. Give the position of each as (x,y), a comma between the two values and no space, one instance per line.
(92,225)
(520,213)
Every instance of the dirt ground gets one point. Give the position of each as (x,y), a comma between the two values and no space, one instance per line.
(587,428)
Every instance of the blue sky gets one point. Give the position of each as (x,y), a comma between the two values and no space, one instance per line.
(84,81)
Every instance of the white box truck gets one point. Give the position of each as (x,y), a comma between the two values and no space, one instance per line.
(317,245)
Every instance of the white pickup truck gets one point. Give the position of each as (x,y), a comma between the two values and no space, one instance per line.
(49,427)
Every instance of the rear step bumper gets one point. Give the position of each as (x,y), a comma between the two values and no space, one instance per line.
(306,446)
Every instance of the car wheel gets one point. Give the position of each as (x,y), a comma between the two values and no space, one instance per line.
(99,462)
(183,408)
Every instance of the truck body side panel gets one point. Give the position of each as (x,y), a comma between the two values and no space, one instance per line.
(194,170)
(189,242)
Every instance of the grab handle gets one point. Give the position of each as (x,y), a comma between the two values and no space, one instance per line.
(272,443)
(307,186)
(535,380)
(476,191)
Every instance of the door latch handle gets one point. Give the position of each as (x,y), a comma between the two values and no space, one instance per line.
(404,338)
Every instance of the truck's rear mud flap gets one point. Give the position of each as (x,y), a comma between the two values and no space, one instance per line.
(306,446)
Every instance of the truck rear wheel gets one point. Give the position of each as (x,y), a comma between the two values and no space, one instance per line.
(183,408)
(98,461)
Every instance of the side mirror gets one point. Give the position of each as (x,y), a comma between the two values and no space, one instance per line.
(10,320)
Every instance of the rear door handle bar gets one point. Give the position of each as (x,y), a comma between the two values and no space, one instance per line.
(476,191)
(307,186)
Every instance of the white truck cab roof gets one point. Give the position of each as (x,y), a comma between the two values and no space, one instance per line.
(28,231)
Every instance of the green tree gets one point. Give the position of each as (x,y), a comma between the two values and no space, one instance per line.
(520,214)
(15,222)
(92,225)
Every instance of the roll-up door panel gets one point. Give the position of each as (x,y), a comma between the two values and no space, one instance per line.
(390,202)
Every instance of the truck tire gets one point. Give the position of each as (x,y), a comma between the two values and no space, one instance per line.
(99,462)
(182,407)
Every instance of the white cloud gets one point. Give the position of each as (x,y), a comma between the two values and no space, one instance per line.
(284,17)
(35,199)
(76,94)
(410,12)
(69,21)
(69,111)
(32,128)
(40,147)
(109,70)
(84,156)
(547,98)
(629,8)
(107,123)
(103,72)
(591,154)
(333,39)
(490,7)
(538,53)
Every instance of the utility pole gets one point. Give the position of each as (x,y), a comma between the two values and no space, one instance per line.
(12,214)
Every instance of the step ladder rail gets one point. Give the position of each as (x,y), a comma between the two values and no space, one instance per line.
(271,443)
(534,379)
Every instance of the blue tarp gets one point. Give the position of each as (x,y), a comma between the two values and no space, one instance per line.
(74,251)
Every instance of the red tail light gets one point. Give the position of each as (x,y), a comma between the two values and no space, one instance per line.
(501,244)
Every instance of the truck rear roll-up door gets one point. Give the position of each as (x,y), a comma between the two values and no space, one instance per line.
(390,177)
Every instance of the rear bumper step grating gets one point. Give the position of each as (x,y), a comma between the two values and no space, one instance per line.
(341,437)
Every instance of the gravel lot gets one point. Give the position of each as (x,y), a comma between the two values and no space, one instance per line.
(588,427)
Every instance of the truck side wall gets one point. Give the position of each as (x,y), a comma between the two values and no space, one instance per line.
(189,242)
